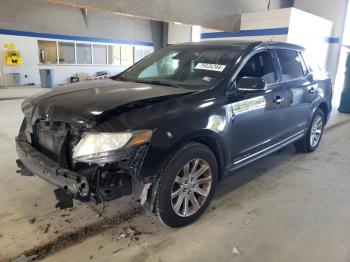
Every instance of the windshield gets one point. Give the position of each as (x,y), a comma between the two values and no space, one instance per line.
(192,67)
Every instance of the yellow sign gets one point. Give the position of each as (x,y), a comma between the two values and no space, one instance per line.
(13,58)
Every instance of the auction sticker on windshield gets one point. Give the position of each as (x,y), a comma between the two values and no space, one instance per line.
(211,67)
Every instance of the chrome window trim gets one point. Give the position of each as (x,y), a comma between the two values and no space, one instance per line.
(268,48)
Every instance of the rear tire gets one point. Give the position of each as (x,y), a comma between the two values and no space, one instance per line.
(313,137)
(186,185)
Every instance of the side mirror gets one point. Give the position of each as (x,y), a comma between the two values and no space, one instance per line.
(251,84)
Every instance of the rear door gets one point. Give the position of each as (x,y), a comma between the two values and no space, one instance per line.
(299,90)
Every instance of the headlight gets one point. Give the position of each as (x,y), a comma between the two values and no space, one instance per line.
(101,147)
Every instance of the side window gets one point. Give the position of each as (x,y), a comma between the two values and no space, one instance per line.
(305,69)
(260,65)
(311,64)
(290,62)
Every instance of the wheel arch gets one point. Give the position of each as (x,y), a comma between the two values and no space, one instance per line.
(324,107)
(206,137)
(210,139)
(217,149)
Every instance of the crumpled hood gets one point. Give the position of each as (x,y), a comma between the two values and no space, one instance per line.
(83,102)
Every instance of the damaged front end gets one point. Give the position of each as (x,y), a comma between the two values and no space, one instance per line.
(83,164)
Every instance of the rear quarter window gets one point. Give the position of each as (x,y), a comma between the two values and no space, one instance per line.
(291,64)
(311,63)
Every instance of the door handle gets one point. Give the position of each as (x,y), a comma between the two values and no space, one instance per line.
(278,100)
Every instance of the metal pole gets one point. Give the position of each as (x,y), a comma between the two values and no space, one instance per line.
(344,106)
(2,69)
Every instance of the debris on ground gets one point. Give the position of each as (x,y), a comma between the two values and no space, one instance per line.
(32,220)
(91,257)
(248,221)
(47,228)
(235,251)
(99,213)
(129,233)
(68,239)
(99,247)
(116,251)
(24,258)
(144,244)
(68,220)
(65,215)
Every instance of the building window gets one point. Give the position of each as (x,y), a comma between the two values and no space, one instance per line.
(114,55)
(141,52)
(66,53)
(127,55)
(52,52)
(100,54)
(84,55)
(47,52)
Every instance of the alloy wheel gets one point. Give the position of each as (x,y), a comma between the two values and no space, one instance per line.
(191,187)
(316,131)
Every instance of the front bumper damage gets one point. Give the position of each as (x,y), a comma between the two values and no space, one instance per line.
(40,165)
(91,183)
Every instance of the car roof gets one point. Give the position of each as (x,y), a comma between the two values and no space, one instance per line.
(244,44)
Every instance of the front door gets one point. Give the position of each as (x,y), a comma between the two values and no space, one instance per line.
(259,121)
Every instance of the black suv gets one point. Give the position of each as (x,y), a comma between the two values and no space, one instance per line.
(169,127)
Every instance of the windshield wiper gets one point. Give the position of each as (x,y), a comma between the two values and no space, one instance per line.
(119,77)
(156,82)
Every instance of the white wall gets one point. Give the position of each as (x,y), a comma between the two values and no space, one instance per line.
(304,29)
(29,51)
(179,33)
(335,11)
(29,70)
(39,17)
(272,19)
(266,19)
(311,32)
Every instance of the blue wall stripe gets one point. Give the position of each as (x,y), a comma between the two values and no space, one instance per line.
(332,40)
(256,32)
(260,32)
(73,38)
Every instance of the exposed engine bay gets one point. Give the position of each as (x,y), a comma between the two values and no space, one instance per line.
(52,145)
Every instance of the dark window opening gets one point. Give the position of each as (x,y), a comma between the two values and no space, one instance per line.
(260,65)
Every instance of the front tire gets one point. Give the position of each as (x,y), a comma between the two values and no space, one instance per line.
(314,135)
(186,185)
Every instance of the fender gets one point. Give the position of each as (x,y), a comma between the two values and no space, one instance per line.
(320,103)
(205,136)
